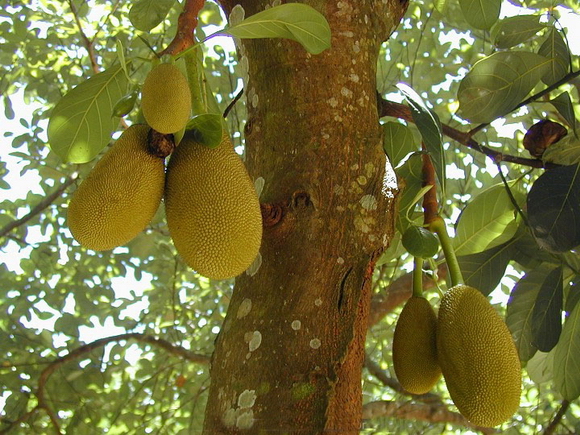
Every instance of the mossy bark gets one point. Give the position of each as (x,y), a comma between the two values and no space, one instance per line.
(290,353)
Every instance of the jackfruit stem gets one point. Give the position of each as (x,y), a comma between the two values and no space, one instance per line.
(438,227)
(196,81)
(417,276)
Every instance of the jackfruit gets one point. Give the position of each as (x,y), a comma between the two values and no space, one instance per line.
(415,347)
(120,195)
(166,99)
(478,357)
(212,209)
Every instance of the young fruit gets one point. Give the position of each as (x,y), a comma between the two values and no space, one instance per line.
(415,347)
(120,195)
(213,212)
(478,357)
(165,99)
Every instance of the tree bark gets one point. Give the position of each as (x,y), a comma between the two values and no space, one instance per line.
(290,353)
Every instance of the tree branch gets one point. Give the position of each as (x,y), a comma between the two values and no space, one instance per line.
(89,347)
(38,208)
(398,110)
(86,41)
(568,77)
(186,24)
(551,428)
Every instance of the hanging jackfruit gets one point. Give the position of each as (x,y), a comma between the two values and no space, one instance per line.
(478,357)
(166,99)
(212,209)
(120,195)
(415,347)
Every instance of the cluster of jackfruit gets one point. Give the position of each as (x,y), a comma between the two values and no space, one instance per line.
(469,344)
(212,208)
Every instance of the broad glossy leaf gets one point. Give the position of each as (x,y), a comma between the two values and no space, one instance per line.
(409,175)
(520,307)
(567,358)
(498,83)
(487,221)
(554,208)
(295,21)
(81,123)
(147,14)
(554,47)
(573,295)
(565,152)
(485,270)
(564,106)
(207,129)
(481,14)
(527,252)
(515,30)
(429,126)
(547,312)
(398,141)
(539,367)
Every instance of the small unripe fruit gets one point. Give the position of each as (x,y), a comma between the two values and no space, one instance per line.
(415,347)
(120,195)
(166,99)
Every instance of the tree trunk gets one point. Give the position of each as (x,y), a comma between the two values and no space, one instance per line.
(291,350)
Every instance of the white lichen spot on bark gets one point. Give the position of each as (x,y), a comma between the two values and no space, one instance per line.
(255,341)
(245,420)
(338,190)
(340,260)
(338,118)
(354,78)
(255,266)
(362,180)
(368,202)
(315,343)
(236,15)
(346,92)
(229,418)
(318,302)
(247,399)
(332,102)
(255,100)
(244,308)
(369,169)
(296,325)
(356,47)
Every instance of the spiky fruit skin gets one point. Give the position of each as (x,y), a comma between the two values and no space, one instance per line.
(165,99)
(212,209)
(478,357)
(415,347)
(120,195)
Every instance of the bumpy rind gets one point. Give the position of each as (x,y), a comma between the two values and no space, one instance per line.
(166,99)
(415,348)
(120,195)
(212,209)
(478,357)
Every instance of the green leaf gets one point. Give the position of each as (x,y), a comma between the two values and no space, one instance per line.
(555,48)
(539,367)
(81,123)
(420,242)
(554,209)
(295,21)
(520,307)
(547,312)
(147,14)
(515,30)
(564,106)
(409,176)
(527,252)
(207,129)
(498,83)
(567,358)
(487,221)
(398,142)
(8,111)
(564,152)
(481,14)
(485,270)
(429,126)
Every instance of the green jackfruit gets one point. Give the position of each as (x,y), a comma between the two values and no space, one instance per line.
(120,195)
(212,209)
(166,99)
(415,347)
(478,357)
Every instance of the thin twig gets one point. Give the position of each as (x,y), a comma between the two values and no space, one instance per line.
(551,428)
(38,208)
(233,103)
(86,41)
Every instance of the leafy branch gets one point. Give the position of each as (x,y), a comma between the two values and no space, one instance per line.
(47,201)
(89,46)
(87,348)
